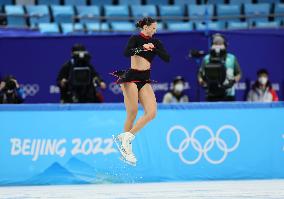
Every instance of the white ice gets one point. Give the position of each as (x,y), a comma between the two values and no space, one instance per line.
(260,189)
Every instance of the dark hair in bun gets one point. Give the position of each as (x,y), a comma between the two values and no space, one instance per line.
(145,21)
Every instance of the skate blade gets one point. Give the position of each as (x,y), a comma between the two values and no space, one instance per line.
(127,162)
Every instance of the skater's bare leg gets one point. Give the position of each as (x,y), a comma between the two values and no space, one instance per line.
(148,101)
(130,93)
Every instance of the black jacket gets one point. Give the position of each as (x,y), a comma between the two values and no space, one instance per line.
(81,94)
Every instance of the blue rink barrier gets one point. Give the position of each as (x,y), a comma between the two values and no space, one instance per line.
(71,144)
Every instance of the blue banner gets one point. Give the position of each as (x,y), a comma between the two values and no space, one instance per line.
(56,144)
(36,60)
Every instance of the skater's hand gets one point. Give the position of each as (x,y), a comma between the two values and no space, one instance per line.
(151,45)
(148,47)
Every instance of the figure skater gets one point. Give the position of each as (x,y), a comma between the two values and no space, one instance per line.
(135,83)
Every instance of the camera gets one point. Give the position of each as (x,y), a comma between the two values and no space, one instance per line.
(193,53)
(215,74)
(81,76)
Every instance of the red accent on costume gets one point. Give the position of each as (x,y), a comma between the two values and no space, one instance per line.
(144,36)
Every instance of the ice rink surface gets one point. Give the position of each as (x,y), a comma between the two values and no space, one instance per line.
(264,189)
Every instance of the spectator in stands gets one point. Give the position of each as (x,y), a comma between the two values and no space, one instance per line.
(219,71)
(78,80)
(176,95)
(262,90)
(10,91)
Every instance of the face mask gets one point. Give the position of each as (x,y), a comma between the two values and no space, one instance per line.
(178,87)
(81,55)
(262,80)
(218,48)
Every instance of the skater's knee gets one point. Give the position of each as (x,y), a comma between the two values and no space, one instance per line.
(132,113)
(151,115)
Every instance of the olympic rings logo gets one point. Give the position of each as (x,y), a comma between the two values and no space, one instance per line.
(190,139)
(30,89)
(115,88)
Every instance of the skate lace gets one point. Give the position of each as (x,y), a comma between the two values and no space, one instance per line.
(130,153)
(127,147)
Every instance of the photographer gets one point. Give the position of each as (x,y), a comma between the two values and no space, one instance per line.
(219,71)
(78,80)
(10,91)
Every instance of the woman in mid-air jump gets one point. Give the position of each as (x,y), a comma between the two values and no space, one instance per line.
(135,83)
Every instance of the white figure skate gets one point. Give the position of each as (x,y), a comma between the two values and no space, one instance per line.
(124,145)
